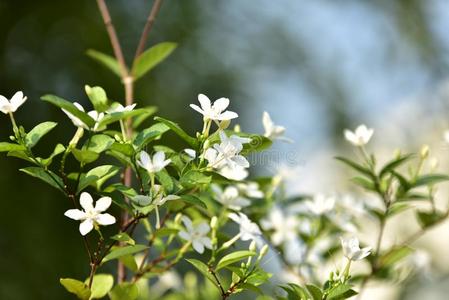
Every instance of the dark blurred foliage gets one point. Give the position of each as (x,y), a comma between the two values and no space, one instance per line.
(42,50)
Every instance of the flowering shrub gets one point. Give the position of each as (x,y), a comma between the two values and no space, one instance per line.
(197,205)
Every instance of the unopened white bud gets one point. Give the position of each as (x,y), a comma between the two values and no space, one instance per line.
(424,151)
(214,222)
(252,246)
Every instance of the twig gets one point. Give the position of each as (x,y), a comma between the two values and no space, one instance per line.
(148,25)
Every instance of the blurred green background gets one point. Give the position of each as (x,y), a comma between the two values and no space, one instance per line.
(317,66)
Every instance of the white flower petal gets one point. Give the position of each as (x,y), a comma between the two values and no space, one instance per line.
(198,246)
(86,226)
(197,108)
(86,201)
(158,158)
(202,228)
(103,204)
(205,102)
(185,235)
(145,160)
(221,104)
(75,214)
(105,219)
(17,100)
(227,115)
(207,242)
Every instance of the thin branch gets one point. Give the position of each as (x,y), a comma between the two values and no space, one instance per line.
(113,37)
(148,25)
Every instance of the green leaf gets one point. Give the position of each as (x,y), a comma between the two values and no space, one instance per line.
(394,255)
(124,291)
(429,218)
(315,291)
(193,200)
(234,257)
(101,285)
(59,148)
(117,116)
(430,179)
(179,131)
(85,156)
(364,183)
(295,292)
(149,134)
(251,287)
(100,143)
(394,164)
(123,237)
(6,147)
(68,106)
(123,148)
(97,97)
(97,174)
(122,251)
(48,177)
(203,268)
(193,178)
(76,287)
(258,142)
(361,169)
(151,57)
(33,137)
(343,291)
(165,180)
(138,120)
(106,60)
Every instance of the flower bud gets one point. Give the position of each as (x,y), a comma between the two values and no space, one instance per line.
(424,151)
(252,246)
(178,218)
(237,128)
(434,163)
(12,138)
(213,222)
(263,252)
(206,144)
(397,153)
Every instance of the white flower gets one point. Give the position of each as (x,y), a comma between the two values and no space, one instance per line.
(248,229)
(230,197)
(360,136)
(155,164)
(214,111)
(91,216)
(191,153)
(295,251)
(120,108)
(227,152)
(272,131)
(234,173)
(250,189)
(93,114)
(197,235)
(351,249)
(285,227)
(10,106)
(160,199)
(320,204)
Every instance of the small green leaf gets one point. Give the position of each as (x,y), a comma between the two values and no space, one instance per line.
(85,156)
(179,131)
(100,143)
(138,120)
(106,60)
(123,237)
(430,179)
(124,291)
(97,97)
(123,148)
(76,287)
(101,285)
(33,137)
(6,147)
(204,269)
(149,134)
(122,251)
(151,57)
(394,164)
(429,218)
(96,174)
(48,177)
(340,292)
(394,255)
(194,178)
(315,291)
(165,180)
(117,116)
(361,169)
(364,183)
(193,200)
(68,106)
(234,257)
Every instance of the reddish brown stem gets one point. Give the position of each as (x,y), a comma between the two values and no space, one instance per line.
(148,25)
